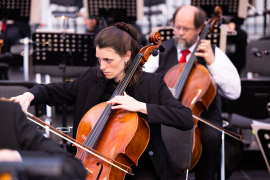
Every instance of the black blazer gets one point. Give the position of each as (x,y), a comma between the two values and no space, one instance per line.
(20,134)
(162,108)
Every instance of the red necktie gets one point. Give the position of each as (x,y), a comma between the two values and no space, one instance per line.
(3,27)
(184,55)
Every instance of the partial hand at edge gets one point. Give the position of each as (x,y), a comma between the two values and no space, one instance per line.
(24,100)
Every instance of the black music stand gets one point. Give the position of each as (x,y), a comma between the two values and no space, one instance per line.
(14,10)
(112,11)
(236,8)
(60,49)
(262,134)
(168,33)
(54,48)
(264,137)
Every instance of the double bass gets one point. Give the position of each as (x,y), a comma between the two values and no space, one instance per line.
(194,87)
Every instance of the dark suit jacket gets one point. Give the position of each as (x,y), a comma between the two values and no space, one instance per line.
(162,108)
(20,134)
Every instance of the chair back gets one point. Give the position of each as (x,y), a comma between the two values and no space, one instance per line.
(179,145)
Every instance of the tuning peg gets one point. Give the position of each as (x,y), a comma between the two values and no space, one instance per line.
(161,48)
(155,52)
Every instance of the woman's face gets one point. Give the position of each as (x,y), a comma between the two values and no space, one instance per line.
(111,63)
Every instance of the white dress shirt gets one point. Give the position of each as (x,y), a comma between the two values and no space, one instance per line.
(222,70)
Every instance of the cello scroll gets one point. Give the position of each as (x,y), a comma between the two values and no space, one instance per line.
(146,51)
(218,12)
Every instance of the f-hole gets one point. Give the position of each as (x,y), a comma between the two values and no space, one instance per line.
(101,168)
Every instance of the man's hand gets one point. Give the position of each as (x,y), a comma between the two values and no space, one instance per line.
(205,51)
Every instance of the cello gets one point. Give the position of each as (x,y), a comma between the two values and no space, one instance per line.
(117,134)
(194,87)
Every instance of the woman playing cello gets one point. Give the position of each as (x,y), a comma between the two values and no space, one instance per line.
(147,94)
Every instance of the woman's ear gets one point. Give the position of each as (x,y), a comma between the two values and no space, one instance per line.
(127,56)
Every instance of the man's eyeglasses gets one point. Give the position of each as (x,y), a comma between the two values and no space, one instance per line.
(184,29)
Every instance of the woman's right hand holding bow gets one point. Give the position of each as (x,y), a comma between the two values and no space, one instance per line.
(24,99)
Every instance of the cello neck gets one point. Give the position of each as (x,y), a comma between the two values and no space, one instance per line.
(180,84)
(128,75)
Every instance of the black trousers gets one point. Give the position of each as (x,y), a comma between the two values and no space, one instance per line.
(209,163)
(143,175)
(145,169)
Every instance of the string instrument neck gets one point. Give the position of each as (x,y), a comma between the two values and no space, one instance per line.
(180,84)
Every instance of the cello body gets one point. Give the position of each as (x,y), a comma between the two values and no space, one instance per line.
(124,132)
(198,93)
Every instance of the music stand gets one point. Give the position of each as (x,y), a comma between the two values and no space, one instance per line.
(15,10)
(262,134)
(50,48)
(112,11)
(167,33)
(229,7)
(60,49)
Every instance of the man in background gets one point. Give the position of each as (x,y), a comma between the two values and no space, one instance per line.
(188,23)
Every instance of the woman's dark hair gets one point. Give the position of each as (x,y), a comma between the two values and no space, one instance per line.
(199,17)
(121,37)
